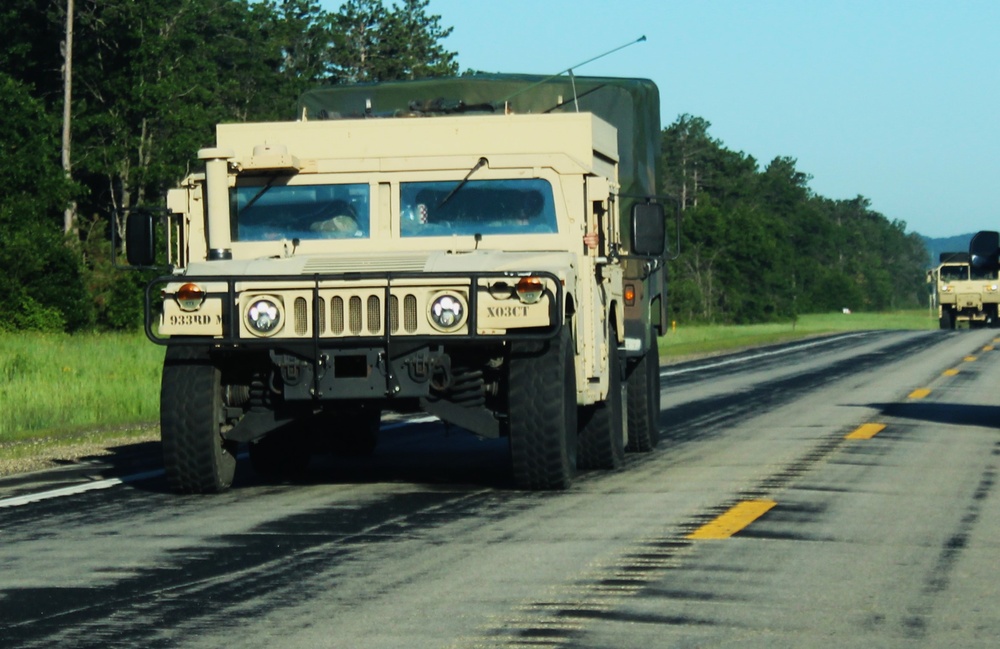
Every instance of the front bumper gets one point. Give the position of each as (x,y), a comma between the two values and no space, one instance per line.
(352,309)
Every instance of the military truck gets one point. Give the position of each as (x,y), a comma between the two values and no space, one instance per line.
(951,273)
(487,249)
(966,292)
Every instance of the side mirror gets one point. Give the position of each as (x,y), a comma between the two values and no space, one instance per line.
(648,229)
(140,244)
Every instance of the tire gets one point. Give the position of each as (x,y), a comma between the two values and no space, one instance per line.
(195,456)
(947,320)
(543,413)
(282,455)
(643,387)
(602,426)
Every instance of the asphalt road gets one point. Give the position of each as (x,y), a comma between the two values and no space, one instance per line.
(833,493)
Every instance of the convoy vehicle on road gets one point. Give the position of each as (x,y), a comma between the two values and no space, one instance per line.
(968,290)
(487,249)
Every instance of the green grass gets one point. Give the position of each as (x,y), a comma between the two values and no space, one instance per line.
(705,339)
(58,385)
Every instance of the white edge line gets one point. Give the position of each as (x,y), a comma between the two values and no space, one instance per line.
(777,352)
(409,422)
(72,490)
(17,501)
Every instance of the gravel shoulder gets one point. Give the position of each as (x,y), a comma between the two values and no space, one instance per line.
(37,454)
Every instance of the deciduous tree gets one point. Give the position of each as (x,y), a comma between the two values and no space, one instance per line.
(373,43)
(42,281)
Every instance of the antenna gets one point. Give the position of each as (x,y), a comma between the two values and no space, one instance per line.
(576,98)
(641,39)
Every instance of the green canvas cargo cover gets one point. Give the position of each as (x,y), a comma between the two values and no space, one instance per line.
(631,105)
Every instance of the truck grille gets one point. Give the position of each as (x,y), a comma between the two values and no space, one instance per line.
(356,315)
(301,317)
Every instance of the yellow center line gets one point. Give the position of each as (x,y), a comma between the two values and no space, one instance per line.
(919,393)
(988,348)
(866,431)
(734,520)
(951,372)
(969,359)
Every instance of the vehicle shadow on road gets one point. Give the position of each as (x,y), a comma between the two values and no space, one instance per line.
(116,461)
(959,414)
(458,459)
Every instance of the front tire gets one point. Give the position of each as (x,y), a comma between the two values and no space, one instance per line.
(542,412)
(196,458)
(947,320)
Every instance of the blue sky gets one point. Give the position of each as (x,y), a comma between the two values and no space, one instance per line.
(895,100)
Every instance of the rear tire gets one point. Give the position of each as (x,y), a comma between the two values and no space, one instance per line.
(195,456)
(644,402)
(602,426)
(542,412)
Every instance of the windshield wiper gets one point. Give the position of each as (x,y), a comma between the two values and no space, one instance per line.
(259,194)
(481,163)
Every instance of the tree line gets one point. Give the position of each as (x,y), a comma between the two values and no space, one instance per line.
(758,245)
(151,78)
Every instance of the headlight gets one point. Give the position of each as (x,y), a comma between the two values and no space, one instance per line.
(447,312)
(501,290)
(264,316)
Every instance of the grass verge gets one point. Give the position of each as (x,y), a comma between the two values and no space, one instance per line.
(685,341)
(62,392)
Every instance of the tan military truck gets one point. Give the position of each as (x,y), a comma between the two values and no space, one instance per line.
(476,259)
(965,293)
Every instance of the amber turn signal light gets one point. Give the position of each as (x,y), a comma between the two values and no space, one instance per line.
(530,289)
(189,297)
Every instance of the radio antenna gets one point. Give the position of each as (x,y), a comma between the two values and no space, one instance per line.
(570,69)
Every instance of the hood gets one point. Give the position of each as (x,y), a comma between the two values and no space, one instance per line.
(431,262)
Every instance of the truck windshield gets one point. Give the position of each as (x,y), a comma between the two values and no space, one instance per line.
(954,273)
(263,212)
(516,206)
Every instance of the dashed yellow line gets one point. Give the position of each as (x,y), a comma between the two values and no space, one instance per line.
(969,359)
(733,520)
(866,431)
(988,348)
(951,372)
(919,393)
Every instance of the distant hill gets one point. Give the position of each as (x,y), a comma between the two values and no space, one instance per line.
(957,243)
